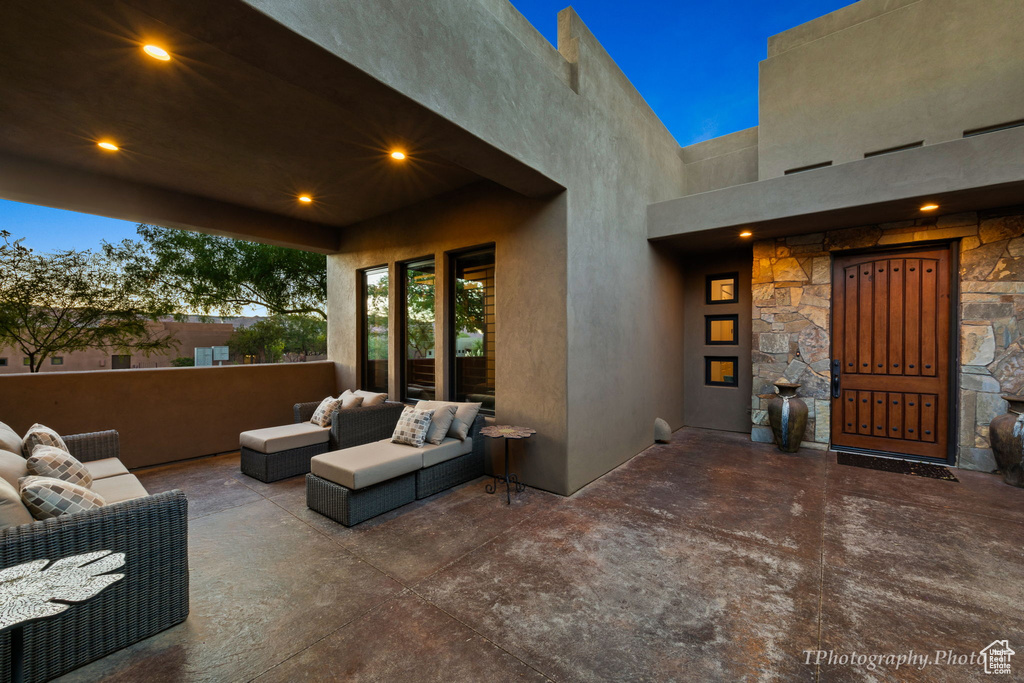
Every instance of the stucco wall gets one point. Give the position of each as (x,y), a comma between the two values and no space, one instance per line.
(792,317)
(593,135)
(721,162)
(883,74)
(165,414)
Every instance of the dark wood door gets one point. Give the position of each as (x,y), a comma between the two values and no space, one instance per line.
(891,327)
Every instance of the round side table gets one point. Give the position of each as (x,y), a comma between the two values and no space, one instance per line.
(507,432)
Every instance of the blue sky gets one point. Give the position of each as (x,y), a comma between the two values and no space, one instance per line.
(694,62)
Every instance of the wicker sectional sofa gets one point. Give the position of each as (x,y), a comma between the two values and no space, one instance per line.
(354,484)
(152,532)
(277,453)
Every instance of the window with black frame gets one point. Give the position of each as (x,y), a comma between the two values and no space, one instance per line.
(473,327)
(375,310)
(418,335)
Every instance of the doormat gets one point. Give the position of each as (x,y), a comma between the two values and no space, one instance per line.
(918,469)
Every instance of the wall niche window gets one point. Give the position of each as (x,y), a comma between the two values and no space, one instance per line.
(374,301)
(720,371)
(721,330)
(723,289)
(472,324)
(418,335)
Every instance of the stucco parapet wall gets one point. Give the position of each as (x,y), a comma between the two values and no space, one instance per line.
(841,19)
(716,147)
(871,190)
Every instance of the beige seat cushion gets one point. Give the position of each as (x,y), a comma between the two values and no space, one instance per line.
(12,467)
(446,450)
(368,464)
(12,511)
(119,488)
(285,437)
(9,439)
(105,468)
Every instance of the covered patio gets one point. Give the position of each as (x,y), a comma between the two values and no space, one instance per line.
(710,558)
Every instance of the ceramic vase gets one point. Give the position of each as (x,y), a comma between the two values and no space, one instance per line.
(1007,434)
(787,415)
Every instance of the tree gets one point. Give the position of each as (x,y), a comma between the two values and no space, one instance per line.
(208,273)
(263,340)
(304,336)
(72,301)
(183,362)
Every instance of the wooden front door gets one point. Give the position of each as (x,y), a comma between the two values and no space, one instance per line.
(891,352)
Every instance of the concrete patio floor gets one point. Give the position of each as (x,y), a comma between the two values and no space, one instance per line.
(710,558)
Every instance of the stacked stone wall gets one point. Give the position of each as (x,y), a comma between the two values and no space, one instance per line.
(792,293)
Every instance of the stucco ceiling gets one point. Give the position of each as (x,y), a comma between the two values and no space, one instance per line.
(245,113)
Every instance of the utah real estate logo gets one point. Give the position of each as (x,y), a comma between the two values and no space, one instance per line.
(996,657)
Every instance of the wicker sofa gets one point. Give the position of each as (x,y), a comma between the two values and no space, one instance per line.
(263,461)
(354,484)
(151,531)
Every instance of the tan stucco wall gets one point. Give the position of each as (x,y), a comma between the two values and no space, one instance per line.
(165,414)
(885,73)
(721,162)
(618,326)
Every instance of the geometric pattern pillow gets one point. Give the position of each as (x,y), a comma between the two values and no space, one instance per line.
(412,427)
(48,461)
(46,497)
(38,435)
(323,412)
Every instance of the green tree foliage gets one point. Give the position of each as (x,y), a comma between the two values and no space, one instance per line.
(263,340)
(183,362)
(72,301)
(304,336)
(208,274)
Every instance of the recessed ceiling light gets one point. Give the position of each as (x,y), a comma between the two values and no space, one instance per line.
(929,207)
(157,52)
(305,198)
(109,146)
(398,155)
(746,233)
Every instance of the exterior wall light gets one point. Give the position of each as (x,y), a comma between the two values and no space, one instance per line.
(157,52)
(109,146)
(305,199)
(929,207)
(746,233)
(397,155)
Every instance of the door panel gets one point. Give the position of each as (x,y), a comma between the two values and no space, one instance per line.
(891,326)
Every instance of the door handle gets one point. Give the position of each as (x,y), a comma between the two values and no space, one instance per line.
(836,382)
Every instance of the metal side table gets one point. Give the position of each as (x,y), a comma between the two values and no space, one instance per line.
(507,432)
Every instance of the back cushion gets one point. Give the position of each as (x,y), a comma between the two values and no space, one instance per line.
(12,511)
(370,398)
(12,467)
(9,439)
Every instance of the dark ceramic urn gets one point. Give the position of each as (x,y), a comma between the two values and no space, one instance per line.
(787,415)
(1007,434)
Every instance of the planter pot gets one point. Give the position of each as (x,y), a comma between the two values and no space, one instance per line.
(787,415)
(1007,434)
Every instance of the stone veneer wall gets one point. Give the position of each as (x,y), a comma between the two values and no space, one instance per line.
(792,318)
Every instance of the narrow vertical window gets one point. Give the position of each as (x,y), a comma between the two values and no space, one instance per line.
(418,297)
(375,330)
(473,325)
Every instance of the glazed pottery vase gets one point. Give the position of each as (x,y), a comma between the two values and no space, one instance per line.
(1007,434)
(787,415)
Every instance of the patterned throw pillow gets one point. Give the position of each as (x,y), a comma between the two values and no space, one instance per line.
(412,427)
(38,435)
(323,412)
(46,497)
(48,461)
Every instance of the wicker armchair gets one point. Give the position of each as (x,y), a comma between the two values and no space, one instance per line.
(152,532)
(358,425)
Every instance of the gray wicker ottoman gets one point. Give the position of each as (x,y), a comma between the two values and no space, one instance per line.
(280,452)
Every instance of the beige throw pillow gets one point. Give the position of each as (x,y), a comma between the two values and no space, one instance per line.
(38,435)
(12,511)
(46,497)
(370,398)
(465,413)
(324,411)
(412,427)
(444,414)
(350,401)
(48,461)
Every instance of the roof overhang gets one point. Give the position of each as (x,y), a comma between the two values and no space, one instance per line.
(223,138)
(980,172)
